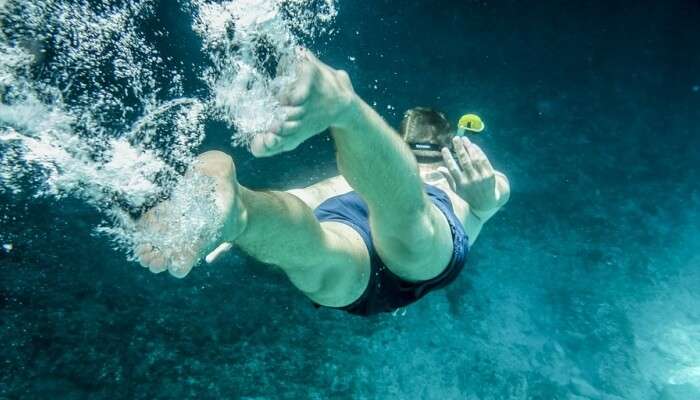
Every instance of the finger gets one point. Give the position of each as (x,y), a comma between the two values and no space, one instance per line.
(469,147)
(480,161)
(451,164)
(464,160)
(265,144)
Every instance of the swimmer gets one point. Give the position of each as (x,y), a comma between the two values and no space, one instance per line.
(395,225)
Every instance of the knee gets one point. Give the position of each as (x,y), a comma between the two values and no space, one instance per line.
(215,164)
(408,237)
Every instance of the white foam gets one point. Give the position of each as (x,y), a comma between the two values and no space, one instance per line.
(84,145)
(240,35)
(109,124)
(192,216)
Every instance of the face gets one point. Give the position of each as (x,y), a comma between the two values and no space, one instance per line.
(427,127)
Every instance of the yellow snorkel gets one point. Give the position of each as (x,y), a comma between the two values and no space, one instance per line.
(470,123)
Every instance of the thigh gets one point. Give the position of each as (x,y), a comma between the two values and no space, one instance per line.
(418,249)
(336,283)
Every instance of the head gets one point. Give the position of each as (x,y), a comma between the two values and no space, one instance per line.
(426,131)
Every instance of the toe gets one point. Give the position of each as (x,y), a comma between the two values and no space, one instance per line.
(144,254)
(143,249)
(179,271)
(146,261)
(149,257)
(182,263)
(265,145)
(158,264)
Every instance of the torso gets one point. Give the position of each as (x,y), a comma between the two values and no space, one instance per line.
(319,192)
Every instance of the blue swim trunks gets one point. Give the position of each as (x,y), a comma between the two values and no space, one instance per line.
(386,292)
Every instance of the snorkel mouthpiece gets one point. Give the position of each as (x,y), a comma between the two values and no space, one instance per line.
(470,123)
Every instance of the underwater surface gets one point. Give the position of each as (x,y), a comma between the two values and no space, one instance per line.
(586,285)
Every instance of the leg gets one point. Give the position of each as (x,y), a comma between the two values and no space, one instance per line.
(410,233)
(328,262)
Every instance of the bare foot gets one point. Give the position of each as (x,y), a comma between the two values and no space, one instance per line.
(320,97)
(203,210)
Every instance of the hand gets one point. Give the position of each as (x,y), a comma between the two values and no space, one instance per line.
(474,177)
(320,98)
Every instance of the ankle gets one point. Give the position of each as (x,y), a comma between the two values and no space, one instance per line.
(349,113)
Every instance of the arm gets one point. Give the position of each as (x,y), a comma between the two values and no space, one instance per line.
(475,219)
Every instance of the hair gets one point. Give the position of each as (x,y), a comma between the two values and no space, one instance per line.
(421,125)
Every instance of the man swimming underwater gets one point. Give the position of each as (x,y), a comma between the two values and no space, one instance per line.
(382,235)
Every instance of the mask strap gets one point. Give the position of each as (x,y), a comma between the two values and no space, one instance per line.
(425,146)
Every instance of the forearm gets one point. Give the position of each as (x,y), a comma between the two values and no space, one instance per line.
(375,161)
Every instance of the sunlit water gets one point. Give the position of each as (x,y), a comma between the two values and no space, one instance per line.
(584,287)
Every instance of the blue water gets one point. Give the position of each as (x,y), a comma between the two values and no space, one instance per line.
(584,287)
